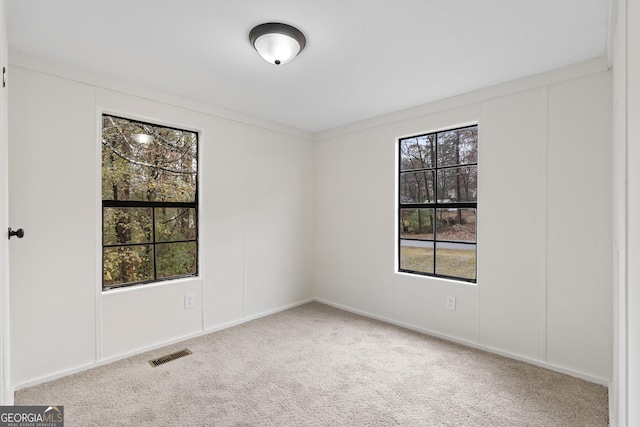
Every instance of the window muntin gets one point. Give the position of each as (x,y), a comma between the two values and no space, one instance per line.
(437,203)
(149,202)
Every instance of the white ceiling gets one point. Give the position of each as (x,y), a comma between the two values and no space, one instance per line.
(363,58)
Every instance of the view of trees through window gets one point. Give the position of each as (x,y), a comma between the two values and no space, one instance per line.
(438,203)
(149,202)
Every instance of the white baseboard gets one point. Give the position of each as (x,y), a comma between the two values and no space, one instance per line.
(472,344)
(9,398)
(256,316)
(586,377)
(119,357)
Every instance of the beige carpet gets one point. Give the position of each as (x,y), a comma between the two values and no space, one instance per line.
(318,366)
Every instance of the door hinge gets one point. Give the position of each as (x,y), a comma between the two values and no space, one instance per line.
(4,77)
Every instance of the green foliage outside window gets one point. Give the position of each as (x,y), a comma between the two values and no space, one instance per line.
(149,199)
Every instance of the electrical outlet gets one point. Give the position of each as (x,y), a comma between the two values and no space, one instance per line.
(451,303)
(189,301)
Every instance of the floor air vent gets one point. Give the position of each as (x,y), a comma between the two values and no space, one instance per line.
(169,357)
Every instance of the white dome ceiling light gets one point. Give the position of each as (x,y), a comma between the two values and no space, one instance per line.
(277,43)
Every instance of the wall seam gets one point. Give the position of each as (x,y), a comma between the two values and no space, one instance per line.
(479,223)
(545,258)
(626,210)
(98,259)
(244,234)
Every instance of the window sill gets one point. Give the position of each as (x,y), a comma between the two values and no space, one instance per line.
(435,278)
(148,286)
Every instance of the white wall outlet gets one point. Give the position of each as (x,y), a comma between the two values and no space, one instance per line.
(189,301)
(451,303)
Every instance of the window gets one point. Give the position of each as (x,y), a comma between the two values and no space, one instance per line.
(437,203)
(149,202)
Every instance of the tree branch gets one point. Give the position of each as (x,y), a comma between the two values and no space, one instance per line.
(139,163)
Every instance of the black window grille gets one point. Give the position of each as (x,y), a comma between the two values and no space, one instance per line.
(149,202)
(437,203)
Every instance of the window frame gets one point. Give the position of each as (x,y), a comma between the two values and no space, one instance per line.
(153,205)
(435,205)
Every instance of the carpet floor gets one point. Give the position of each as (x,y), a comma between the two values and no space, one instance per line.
(315,365)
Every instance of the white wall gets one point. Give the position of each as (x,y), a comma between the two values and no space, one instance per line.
(578,238)
(5,394)
(512,220)
(618,389)
(625,390)
(633,200)
(627,210)
(544,236)
(53,200)
(277,209)
(256,216)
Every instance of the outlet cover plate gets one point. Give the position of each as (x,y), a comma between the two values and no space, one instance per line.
(189,301)
(451,303)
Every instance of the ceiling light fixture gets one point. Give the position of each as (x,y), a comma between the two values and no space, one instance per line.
(277,43)
(142,138)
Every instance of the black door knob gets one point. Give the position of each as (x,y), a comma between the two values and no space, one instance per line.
(19,233)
